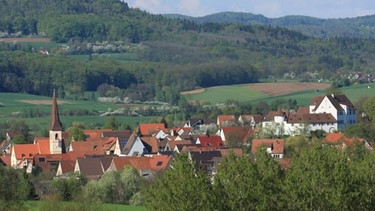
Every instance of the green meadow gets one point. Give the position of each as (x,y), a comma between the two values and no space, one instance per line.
(243,94)
(12,105)
(221,94)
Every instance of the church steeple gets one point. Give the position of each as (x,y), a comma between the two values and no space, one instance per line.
(56,142)
(55,119)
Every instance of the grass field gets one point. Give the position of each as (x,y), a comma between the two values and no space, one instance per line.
(220,94)
(244,94)
(12,104)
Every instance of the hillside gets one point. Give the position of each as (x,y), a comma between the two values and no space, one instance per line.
(139,56)
(359,27)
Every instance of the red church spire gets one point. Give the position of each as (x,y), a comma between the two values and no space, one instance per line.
(55,120)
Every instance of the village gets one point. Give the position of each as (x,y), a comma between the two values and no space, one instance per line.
(151,147)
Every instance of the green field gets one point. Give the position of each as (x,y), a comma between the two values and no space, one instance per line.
(11,109)
(221,94)
(243,94)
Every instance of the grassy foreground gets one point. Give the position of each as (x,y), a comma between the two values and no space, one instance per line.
(71,206)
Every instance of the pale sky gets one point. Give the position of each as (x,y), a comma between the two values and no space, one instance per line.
(268,8)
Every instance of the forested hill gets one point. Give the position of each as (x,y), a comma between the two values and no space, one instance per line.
(167,55)
(359,27)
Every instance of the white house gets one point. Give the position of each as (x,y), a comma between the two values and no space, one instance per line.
(338,105)
(329,113)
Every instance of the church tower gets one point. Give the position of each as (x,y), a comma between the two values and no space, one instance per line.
(56,142)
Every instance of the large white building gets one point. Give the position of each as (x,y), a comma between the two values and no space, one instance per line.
(329,113)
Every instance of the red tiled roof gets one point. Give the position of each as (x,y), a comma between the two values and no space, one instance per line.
(152,143)
(277,145)
(94,135)
(25,151)
(6,159)
(211,142)
(93,147)
(43,145)
(225,118)
(156,162)
(337,138)
(148,129)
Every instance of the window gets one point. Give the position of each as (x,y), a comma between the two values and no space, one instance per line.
(159,163)
(42,159)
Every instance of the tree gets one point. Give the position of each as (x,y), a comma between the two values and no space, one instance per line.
(318,180)
(235,184)
(76,134)
(180,187)
(118,187)
(369,108)
(110,123)
(69,188)
(14,189)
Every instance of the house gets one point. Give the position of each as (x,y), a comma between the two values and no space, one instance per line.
(225,120)
(343,142)
(275,147)
(92,167)
(134,147)
(250,120)
(329,113)
(209,161)
(338,105)
(147,166)
(241,134)
(150,129)
(210,142)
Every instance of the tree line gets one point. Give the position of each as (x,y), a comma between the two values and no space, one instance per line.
(318,178)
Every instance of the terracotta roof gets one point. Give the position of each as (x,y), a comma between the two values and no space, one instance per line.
(93,147)
(276,145)
(25,151)
(148,129)
(338,138)
(151,143)
(156,162)
(6,159)
(225,118)
(43,145)
(94,135)
(311,118)
(211,142)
